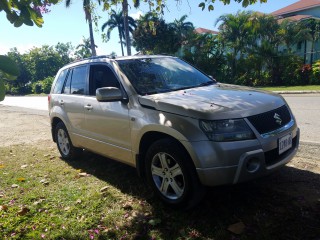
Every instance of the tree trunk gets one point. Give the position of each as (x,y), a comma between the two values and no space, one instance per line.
(126,25)
(92,44)
(312,51)
(305,52)
(121,43)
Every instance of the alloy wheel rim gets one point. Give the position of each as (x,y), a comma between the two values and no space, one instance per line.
(167,176)
(63,142)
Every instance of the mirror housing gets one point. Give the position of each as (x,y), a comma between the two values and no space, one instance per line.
(109,94)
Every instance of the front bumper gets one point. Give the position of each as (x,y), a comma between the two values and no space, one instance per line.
(253,161)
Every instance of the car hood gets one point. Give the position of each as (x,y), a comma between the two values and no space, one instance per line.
(218,101)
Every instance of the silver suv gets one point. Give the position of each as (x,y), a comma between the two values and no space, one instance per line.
(177,126)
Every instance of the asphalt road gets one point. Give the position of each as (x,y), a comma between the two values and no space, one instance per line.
(306,108)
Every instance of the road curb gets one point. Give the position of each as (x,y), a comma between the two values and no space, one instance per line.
(297,92)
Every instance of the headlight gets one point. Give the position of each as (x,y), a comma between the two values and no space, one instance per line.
(226,130)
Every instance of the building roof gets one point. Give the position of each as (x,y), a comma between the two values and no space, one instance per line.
(204,30)
(296,18)
(297,6)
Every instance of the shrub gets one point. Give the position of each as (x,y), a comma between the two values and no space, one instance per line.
(42,86)
(315,79)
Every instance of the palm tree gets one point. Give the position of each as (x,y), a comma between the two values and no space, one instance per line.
(117,21)
(83,50)
(313,34)
(234,32)
(182,28)
(87,10)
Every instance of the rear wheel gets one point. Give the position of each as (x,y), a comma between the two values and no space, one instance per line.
(172,175)
(65,147)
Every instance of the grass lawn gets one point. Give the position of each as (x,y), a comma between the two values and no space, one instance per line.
(44,197)
(293,88)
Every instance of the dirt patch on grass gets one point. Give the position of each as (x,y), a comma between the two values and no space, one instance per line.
(24,127)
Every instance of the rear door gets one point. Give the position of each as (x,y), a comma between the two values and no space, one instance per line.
(72,102)
(107,123)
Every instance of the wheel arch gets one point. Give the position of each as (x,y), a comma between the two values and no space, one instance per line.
(147,140)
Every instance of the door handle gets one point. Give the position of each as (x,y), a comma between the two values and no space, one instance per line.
(88,107)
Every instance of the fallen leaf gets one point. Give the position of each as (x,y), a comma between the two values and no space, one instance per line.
(44,182)
(1,166)
(104,189)
(237,228)
(23,211)
(21,179)
(24,166)
(14,186)
(83,174)
(78,201)
(3,207)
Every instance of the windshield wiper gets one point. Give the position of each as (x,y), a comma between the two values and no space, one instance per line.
(207,83)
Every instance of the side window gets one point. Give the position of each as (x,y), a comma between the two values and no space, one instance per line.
(101,76)
(60,81)
(76,81)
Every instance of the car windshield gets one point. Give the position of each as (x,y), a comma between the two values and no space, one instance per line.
(162,74)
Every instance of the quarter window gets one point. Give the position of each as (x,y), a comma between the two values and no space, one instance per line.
(60,81)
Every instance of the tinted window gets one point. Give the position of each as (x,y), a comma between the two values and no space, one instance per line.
(60,81)
(102,76)
(78,82)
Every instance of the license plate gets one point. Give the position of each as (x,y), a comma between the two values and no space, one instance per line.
(285,143)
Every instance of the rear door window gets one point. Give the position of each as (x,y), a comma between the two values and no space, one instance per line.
(76,81)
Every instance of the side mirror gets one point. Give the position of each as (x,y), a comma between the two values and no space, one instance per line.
(108,94)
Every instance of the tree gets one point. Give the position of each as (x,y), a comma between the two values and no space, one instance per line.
(83,50)
(312,26)
(87,8)
(8,71)
(182,28)
(117,21)
(153,35)
(235,31)
(26,12)
(18,12)
(206,53)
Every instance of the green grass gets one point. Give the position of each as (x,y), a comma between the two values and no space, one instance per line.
(293,88)
(63,200)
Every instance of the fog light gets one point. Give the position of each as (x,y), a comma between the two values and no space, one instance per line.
(253,165)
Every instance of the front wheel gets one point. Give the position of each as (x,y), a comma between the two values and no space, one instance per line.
(65,147)
(172,175)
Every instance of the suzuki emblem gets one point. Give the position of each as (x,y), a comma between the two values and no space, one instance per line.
(277,118)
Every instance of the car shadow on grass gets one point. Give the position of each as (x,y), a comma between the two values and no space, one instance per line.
(284,205)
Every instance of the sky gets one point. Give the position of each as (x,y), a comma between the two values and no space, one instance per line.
(64,25)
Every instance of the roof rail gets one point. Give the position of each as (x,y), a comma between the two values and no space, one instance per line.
(93,57)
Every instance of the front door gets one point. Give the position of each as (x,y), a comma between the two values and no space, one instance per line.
(107,123)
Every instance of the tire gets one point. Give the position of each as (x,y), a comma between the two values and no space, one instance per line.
(64,144)
(172,175)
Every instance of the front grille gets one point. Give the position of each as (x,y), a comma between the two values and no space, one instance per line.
(266,122)
(272,157)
